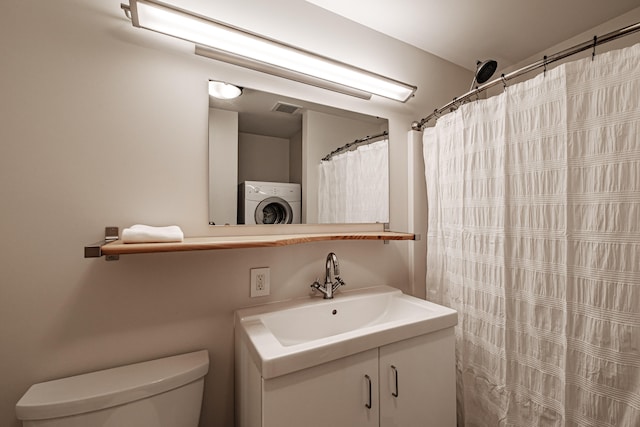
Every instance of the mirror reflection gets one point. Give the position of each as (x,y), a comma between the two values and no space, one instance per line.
(266,167)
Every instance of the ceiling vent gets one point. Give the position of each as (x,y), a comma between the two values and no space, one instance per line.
(281,107)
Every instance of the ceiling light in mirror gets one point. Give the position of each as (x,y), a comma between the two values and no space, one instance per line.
(222,90)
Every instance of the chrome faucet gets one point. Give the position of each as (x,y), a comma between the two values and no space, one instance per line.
(330,287)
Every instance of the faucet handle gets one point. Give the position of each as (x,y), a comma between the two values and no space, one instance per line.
(316,286)
(339,282)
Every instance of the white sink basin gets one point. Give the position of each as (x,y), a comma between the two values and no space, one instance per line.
(289,336)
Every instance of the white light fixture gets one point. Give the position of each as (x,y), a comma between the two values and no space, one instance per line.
(223,42)
(222,90)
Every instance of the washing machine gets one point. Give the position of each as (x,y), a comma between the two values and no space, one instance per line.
(269,203)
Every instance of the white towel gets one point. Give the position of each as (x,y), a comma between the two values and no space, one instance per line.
(147,234)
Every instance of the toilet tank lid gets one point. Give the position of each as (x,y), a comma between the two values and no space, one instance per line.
(111,387)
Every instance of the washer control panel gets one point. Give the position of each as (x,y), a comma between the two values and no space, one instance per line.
(271,190)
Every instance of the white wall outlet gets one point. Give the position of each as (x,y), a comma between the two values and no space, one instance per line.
(260,282)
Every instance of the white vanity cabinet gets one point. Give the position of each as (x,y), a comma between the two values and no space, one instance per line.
(338,393)
(330,394)
(417,381)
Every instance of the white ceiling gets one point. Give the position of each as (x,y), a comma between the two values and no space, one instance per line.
(463,31)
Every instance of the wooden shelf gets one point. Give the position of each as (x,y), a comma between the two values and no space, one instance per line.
(233,242)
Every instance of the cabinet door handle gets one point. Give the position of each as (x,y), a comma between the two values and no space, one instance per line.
(395,374)
(368,404)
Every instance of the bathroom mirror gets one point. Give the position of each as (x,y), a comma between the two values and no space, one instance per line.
(264,147)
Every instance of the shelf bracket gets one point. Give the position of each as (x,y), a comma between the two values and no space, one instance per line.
(95,250)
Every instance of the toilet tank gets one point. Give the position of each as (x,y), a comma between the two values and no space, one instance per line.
(165,392)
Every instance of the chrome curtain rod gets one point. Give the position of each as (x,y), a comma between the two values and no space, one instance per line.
(351,144)
(591,44)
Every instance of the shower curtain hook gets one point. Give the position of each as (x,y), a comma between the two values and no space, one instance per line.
(453,107)
(544,61)
(504,81)
(595,42)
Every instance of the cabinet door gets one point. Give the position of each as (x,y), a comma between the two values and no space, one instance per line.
(336,393)
(417,382)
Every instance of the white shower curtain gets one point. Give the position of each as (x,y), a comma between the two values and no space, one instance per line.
(354,186)
(534,237)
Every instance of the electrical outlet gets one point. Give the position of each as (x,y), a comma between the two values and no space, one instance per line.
(260,282)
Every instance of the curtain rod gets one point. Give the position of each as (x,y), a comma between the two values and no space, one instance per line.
(591,44)
(349,145)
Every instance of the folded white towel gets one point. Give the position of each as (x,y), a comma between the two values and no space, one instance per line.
(147,234)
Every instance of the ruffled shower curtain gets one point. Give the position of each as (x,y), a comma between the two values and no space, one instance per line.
(534,237)
(354,186)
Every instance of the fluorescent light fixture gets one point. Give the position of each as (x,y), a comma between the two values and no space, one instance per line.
(278,71)
(257,52)
(222,90)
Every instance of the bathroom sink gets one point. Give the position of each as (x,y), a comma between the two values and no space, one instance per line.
(288,336)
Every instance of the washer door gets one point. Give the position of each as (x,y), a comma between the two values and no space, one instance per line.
(273,210)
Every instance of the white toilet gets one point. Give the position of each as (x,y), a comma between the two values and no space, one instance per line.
(160,393)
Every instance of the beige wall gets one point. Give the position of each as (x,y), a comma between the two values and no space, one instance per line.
(263,158)
(295,158)
(104,124)
(223,166)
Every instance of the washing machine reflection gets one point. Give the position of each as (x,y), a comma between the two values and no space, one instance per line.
(262,202)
